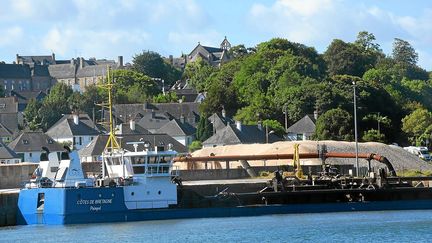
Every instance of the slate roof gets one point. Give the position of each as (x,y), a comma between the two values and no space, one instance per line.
(96,147)
(153,121)
(24,97)
(190,110)
(5,132)
(305,125)
(37,59)
(212,49)
(6,152)
(34,141)
(40,70)
(15,71)
(176,128)
(62,71)
(8,105)
(93,70)
(248,134)
(125,129)
(219,122)
(66,128)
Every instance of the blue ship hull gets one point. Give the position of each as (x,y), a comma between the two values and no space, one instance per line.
(97,205)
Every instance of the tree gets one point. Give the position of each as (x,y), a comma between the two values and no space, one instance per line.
(195,145)
(197,73)
(55,104)
(404,53)
(133,87)
(366,41)
(416,123)
(32,116)
(204,129)
(335,124)
(151,64)
(373,135)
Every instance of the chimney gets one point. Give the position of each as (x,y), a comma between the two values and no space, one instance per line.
(152,114)
(81,62)
(132,124)
(72,62)
(182,118)
(259,125)
(75,119)
(17,59)
(53,58)
(238,125)
(316,115)
(223,113)
(120,61)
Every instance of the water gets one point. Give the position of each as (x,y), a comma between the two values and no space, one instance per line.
(382,226)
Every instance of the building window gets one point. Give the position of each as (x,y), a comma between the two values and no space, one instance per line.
(80,140)
(74,141)
(30,154)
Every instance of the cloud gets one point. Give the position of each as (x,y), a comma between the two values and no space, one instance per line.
(318,22)
(11,35)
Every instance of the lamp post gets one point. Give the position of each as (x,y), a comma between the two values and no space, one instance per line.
(286,118)
(355,129)
(268,133)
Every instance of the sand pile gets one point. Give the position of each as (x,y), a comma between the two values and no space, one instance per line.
(401,159)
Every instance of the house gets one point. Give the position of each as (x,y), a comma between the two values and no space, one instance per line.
(186,93)
(130,128)
(81,73)
(7,155)
(28,146)
(38,60)
(240,134)
(180,130)
(220,121)
(10,118)
(303,129)
(78,130)
(23,97)
(15,77)
(189,110)
(215,56)
(93,151)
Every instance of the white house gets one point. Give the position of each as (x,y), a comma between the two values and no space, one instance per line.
(28,146)
(77,130)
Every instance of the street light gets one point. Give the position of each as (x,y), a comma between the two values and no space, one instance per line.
(355,129)
(163,83)
(268,133)
(286,118)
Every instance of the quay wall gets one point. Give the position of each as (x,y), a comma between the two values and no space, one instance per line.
(14,175)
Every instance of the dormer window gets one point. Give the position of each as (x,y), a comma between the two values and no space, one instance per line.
(2,106)
(50,141)
(25,141)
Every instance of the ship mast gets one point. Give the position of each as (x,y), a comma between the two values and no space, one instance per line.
(112,143)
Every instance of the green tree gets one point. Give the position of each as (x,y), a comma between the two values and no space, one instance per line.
(204,129)
(373,135)
(133,87)
(55,104)
(32,116)
(335,124)
(404,53)
(197,73)
(152,64)
(416,123)
(195,145)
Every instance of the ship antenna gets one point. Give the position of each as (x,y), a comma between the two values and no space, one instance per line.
(112,143)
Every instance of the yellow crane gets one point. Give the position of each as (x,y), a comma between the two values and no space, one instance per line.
(296,162)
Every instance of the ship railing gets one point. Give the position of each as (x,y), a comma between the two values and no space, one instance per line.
(48,183)
(175,171)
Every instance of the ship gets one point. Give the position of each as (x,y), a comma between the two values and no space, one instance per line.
(143,184)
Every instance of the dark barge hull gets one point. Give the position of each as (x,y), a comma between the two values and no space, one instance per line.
(192,205)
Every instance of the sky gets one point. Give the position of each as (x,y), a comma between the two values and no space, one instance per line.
(110,28)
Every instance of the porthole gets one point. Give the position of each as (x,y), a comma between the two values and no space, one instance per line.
(100,195)
(148,192)
(159,192)
(132,193)
(112,195)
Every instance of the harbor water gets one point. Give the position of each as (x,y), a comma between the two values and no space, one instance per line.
(381,226)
